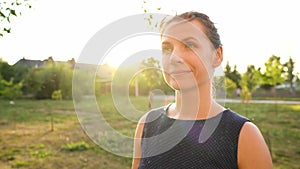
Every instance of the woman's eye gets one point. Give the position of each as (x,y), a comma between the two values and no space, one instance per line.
(166,50)
(189,45)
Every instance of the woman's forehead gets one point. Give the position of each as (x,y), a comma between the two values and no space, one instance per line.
(184,29)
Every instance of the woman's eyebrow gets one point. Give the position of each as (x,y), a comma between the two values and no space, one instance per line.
(165,43)
(189,38)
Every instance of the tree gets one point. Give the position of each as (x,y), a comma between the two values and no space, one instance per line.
(9,9)
(151,72)
(20,72)
(297,81)
(249,82)
(9,90)
(250,78)
(227,69)
(6,71)
(289,73)
(66,77)
(42,82)
(273,74)
(33,82)
(230,87)
(234,75)
(152,75)
(50,83)
(83,76)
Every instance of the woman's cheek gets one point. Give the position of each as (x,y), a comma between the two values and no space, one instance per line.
(170,81)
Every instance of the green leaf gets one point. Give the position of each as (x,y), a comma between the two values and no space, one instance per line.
(7,30)
(159,8)
(2,15)
(13,12)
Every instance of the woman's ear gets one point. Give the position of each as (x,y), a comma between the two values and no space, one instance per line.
(218,57)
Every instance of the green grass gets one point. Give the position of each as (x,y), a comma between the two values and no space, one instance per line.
(280,128)
(277,98)
(26,139)
(79,146)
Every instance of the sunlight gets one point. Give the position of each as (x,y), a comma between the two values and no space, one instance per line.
(128,47)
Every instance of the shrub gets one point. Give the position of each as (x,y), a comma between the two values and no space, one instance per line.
(56,95)
(79,146)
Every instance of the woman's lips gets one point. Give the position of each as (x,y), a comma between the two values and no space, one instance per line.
(176,73)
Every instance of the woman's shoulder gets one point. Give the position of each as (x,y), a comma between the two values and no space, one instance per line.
(155,113)
(152,114)
(234,116)
(232,121)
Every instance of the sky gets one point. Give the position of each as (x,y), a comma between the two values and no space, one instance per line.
(251,31)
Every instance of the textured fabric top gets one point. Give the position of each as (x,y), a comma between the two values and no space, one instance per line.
(210,144)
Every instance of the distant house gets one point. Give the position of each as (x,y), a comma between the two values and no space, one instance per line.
(105,73)
(39,63)
(29,63)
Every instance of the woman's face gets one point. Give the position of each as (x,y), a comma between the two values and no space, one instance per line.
(188,56)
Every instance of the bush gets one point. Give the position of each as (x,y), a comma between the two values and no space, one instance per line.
(56,95)
(9,90)
(230,87)
(79,146)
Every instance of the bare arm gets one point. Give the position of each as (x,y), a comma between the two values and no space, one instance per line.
(137,143)
(252,149)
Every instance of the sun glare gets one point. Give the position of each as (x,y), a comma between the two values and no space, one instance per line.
(127,48)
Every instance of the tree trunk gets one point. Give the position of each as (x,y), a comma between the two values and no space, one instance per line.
(292,89)
(136,88)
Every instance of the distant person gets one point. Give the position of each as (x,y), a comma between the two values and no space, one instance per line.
(191,50)
(238,92)
(169,99)
(151,100)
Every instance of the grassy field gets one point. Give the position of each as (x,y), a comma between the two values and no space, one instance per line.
(26,139)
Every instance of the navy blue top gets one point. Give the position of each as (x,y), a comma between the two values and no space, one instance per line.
(210,144)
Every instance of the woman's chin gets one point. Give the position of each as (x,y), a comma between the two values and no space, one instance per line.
(183,85)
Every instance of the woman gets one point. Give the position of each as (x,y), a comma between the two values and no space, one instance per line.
(195,131)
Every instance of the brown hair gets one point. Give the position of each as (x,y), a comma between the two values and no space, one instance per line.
(211,31)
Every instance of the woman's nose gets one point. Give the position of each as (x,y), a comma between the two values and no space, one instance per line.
(176,56)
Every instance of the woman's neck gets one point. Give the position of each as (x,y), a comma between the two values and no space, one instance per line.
(195,104)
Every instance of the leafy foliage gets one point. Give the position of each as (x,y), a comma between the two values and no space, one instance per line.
(233,75)
(273,72)
(6,71)
(151,72)
(151,76)
(9,90)
(152,22)
(42,82)
(56,95)
(230,87)
(9,9)
(250,78)
(249,82)
(289,73)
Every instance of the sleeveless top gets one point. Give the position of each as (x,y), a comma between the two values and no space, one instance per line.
(168,143)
